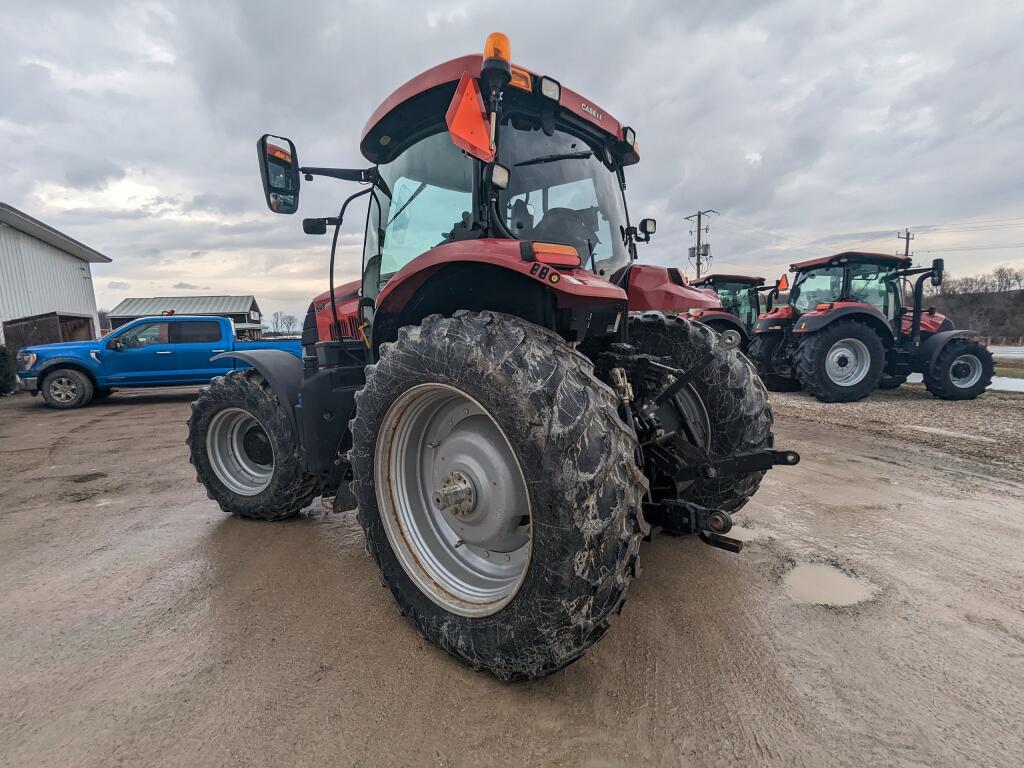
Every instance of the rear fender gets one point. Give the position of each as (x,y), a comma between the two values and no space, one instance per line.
(283,372)
(811,322)
(490,274)
(934,344)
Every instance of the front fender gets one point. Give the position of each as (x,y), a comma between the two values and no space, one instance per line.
(810,322)
(88,364)
(934,344)
(283,372)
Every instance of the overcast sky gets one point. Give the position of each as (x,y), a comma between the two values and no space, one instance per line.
(811,126)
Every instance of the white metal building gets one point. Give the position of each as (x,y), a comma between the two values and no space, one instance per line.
(43,271)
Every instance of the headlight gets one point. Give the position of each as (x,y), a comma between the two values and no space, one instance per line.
(26,360)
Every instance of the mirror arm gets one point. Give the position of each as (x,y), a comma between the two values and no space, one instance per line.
(345,174)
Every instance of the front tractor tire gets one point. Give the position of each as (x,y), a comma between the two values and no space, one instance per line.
(963,371)
(498,491)
(841,363)
(761,351)
(244,450)
(739,417)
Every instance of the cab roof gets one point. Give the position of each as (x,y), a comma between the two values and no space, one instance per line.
(883,259)
(720,278)
(433,91)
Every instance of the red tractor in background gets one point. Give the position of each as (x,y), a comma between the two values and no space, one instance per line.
(845,330)
(741,303)
(501,395)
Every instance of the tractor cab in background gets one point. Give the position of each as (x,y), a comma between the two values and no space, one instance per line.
(846,329)
(742,303)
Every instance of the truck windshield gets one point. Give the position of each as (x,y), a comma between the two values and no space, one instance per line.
(424,194)
(816,287)
(560,192)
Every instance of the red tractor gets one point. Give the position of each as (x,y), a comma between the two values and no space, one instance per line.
(845,330)
(493,395)
(741,303)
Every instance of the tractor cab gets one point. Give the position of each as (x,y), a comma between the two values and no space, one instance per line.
(740,295)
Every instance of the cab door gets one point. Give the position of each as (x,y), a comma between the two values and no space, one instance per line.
(143,355)
(195,342)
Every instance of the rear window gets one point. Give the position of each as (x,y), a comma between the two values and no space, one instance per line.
(198,332)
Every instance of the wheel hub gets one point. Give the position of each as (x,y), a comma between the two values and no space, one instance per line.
(456,496)
(965,371)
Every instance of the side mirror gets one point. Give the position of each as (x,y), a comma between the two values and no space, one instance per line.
(314,226)
(116,344)
(279,171)
(938,267)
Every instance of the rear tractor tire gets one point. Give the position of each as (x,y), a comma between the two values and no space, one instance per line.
(244,450)
(498,491)
(840,363)
(67,388)
(728,391)
(962,371)
(760,351)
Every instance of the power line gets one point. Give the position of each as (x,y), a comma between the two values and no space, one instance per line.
(989,247)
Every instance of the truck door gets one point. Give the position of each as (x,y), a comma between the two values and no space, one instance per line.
(195,342)
(142,355)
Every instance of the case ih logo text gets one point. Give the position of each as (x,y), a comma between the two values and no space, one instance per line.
(591,111)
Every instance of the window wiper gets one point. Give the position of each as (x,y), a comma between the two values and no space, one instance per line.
(554,158)
(420,188)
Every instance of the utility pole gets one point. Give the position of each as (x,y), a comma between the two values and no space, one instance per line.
(906,245)
(700,252)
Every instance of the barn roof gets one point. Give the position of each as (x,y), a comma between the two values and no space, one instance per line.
(22,222)
(184,305)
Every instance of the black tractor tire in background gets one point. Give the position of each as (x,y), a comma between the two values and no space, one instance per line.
(584,488)
(289,489)
(812,353)
(760,351)
(891,382)
(739,415)
(66,388)
(942,379)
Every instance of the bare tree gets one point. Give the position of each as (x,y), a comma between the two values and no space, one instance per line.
(276,321)
(288,322)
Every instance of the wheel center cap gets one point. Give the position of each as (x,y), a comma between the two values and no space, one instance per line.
(842,361)
(456,496)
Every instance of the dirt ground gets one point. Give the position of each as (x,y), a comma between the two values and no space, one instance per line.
(141,626)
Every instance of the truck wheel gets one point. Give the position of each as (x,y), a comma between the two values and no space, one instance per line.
(67,388)
(962,371)
(760,351)
(739,418)
(841,363)
(891,382)
(498,491)
(244,451)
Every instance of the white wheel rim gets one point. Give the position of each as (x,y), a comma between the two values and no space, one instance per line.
(240,452)
(847,362)
(453,500)
(965,371)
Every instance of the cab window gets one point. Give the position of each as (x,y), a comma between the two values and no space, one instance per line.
(867,285)
(145,335)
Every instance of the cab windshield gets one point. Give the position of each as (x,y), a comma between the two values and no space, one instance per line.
(819,286)
(560,192)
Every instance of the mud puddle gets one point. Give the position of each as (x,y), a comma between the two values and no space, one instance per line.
(821,584)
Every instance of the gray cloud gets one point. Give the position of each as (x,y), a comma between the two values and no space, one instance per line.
(118,285)
(810,127)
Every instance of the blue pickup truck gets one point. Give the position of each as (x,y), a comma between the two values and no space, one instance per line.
(164,351)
